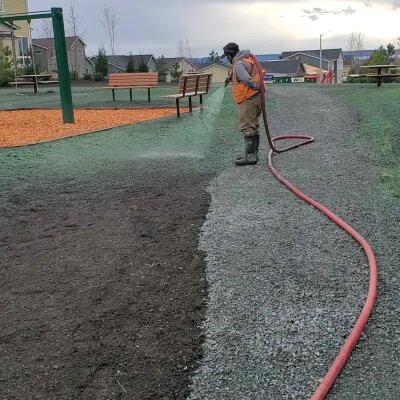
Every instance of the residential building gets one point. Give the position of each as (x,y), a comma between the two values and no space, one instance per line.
(21,29)
(284,68)
(219,71)
(119,63)
(332,61)
(349,66)
(45,55)
(185,65)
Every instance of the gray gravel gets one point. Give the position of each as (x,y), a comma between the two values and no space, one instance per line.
(285,284)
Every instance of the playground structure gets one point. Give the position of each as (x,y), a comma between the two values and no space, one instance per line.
(56,14)
(328,77)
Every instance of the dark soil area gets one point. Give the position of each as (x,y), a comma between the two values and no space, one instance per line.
(103,288)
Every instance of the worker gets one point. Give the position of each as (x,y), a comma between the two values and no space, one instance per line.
(246,93)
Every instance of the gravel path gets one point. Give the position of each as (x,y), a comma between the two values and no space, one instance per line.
(285,284)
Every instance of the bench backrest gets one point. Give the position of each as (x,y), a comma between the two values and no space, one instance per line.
(146,79)
(194,83)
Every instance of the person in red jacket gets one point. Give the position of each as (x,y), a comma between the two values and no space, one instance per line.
(246,93)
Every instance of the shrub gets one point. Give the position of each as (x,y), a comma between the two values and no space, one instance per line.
(101,65)
(87,77)
(5,78)
(98,77)
(130,67)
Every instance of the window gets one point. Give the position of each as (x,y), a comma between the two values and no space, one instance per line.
(1,5)
(53,53)
(80,51)
(38,52)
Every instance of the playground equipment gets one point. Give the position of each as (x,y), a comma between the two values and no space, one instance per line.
(56,14)
(328,77)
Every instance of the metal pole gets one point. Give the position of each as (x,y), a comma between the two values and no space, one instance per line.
(62,65)
(320,57)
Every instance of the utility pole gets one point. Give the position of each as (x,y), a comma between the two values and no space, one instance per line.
(320,55)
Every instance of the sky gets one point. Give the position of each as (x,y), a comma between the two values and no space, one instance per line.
(158,26)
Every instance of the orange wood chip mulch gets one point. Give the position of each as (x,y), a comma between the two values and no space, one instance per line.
(21,127)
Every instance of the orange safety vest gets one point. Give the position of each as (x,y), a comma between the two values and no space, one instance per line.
(240,90)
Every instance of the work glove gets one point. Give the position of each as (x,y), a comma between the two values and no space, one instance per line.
(228,80)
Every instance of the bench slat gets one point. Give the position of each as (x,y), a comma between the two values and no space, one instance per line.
(148,79)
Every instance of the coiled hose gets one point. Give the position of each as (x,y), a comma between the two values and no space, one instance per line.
(346,350)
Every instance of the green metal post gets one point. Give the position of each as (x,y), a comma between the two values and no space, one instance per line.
(62,65)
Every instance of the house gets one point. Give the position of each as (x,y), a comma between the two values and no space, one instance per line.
(219,71)
(184,65)
(331,60)
(21,30)
(284,69)
(360,56)
(349,66)
(267,57)
(45,55)
(119,63)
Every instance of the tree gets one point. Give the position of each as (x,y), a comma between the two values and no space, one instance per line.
(184,50)
(109,22)
(214,57)
(391,50)
(130,67)
(162,69)
(72,24)
(378,56)
(355,41)
(175,72)
(6,66)
(101,66)
(143,66)
(46,29)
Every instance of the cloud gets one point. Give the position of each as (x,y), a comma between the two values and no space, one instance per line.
(316,12)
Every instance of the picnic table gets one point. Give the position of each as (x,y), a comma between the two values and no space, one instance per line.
(34,80)
(382,71)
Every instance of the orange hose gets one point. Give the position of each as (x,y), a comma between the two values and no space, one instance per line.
(338,364)
(345,352)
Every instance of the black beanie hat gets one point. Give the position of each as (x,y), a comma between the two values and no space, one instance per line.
(231,49)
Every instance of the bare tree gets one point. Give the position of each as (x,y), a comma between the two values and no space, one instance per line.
(184,50)
(73,29)
(181,52)
(109,22)
(73,23)
(45,29)
(188,49)
(355,41)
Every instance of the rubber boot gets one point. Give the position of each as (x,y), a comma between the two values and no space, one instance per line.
(250,156)
(257,143)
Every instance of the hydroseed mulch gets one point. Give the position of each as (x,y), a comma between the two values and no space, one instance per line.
(21,127)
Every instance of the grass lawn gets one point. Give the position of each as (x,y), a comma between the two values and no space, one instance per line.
(379,122)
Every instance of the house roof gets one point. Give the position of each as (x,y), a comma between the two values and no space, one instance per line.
(327,54)
(358,53)
(267,57)
(48,43)
(171,61)
(282,66)
(6,27)
(311,70)
(203,66)
(348,60)
(122,61)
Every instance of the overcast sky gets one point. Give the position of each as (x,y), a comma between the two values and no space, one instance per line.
(156,26)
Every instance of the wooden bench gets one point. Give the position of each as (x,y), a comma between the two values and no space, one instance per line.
(23,82)
(127,80)
(191,85)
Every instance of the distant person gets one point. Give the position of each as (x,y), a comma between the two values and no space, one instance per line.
(246,93)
